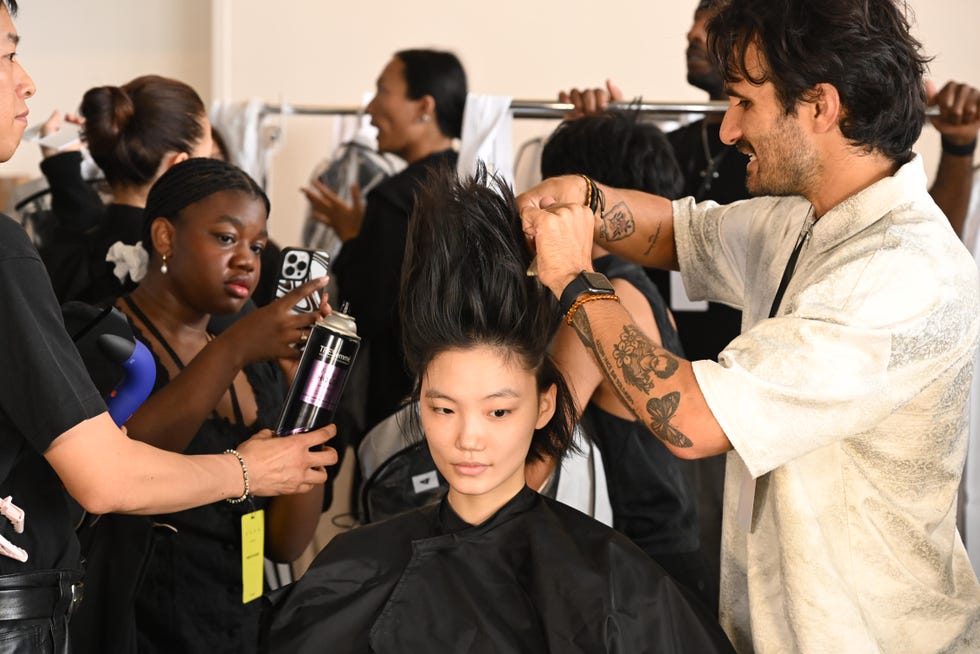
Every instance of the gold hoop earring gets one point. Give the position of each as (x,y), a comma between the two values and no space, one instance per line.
(163,266)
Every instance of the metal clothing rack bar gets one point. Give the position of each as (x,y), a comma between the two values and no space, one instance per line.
(541,109)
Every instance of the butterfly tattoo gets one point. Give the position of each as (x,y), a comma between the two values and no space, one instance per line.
(661,410)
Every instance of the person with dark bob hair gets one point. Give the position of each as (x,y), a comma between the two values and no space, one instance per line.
(494,566)
(418,111)
(842,404)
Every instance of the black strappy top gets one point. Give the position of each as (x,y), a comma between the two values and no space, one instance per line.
(190,596)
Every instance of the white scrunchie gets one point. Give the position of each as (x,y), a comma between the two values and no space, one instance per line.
(129,260)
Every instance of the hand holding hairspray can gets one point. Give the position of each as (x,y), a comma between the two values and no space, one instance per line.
(320,377)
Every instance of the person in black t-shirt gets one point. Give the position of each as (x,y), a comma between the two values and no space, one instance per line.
(56,435)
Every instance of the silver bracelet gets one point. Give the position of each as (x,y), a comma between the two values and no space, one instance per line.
(241,461)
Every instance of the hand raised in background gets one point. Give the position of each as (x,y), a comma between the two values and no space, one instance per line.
(590,101)
(330,209)
(959,111)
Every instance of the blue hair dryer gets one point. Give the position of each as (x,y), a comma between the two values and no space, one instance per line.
(137,383)
(121,367)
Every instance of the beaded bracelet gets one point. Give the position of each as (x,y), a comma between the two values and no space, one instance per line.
(958,150)
(241,462)
(594,197)
(587,298)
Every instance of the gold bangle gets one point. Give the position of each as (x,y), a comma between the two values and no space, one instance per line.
(587,298)
(241,462)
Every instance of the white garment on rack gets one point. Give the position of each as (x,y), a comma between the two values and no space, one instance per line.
(487,136)
(250,144)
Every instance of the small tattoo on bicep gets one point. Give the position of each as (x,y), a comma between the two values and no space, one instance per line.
(637,357)
(617,223)
(653,241)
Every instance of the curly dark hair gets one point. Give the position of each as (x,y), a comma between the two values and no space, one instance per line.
(861,47)
(464,285)
(615,148)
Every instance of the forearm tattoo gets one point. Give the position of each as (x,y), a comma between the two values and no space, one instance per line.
(635,362)
(617,223)
(639,360)
(653,240)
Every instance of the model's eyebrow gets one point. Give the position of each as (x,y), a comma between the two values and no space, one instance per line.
(434,394)
(13,38)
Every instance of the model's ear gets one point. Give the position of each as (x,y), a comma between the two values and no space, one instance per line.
(546,406)
(162,236)
(825,107)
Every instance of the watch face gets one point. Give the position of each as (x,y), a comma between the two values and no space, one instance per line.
(597,281)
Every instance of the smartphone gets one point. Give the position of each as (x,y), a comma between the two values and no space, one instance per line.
(298,266)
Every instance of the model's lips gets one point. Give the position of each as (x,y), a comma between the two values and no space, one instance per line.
(470,468)
(23,116)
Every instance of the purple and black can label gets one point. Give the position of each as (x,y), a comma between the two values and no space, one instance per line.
(320,377)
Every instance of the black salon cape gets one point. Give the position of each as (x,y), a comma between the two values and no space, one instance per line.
(536,577)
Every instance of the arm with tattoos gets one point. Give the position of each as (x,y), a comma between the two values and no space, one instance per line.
(659,388)
(634,225)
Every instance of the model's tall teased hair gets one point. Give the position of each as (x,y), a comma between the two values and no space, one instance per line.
(190,181)
(861,47)
(464,284)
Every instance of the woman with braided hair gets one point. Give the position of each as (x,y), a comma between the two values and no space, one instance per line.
(493,567)
(205,227)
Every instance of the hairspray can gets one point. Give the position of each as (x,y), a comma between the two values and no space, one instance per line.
(320,376)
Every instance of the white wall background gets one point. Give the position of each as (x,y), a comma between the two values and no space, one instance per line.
(315,52)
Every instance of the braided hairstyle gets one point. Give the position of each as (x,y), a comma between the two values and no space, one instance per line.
(190,181)
(129,129)
(464,285)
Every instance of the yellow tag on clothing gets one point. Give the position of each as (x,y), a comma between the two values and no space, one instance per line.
(253,552)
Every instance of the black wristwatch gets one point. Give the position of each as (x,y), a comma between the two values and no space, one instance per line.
(587,283)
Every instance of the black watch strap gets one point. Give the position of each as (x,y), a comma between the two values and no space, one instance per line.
(591,283)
